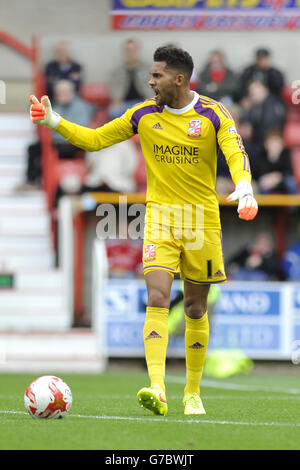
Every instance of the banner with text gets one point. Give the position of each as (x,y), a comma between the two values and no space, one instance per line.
(187,15)
(262,319)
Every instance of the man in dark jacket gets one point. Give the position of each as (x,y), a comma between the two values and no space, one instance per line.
(62,68)
(256,262)
(265,112)
(263,71)
(272,168)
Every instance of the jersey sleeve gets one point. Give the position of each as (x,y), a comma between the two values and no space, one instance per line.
(92,140)
(232,147)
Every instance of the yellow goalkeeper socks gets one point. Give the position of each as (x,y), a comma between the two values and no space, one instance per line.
(196,342)
(155,334)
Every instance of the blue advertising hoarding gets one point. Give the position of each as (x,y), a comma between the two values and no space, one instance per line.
(262,319)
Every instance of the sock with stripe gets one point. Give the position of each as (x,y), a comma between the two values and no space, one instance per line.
(196,342)
(155,335)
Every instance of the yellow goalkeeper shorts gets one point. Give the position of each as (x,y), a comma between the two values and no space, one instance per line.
(196,255)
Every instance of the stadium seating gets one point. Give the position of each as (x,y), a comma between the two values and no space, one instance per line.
(286,94)
(101,117)
(296,164)
(26,248)
(292,134)
(96,93)
(66,167)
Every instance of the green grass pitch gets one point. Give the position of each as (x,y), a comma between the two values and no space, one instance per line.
(245,412)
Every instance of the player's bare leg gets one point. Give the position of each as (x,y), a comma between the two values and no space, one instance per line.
(155,333)
(196,342)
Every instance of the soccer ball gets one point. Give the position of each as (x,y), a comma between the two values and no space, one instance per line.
(48,397)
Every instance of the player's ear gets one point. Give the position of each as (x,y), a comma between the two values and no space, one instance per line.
(180,79)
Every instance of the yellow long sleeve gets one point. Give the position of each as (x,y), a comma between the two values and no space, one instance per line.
(92,140)
(233,148)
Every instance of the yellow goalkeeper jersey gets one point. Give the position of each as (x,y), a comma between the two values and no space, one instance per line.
(180,148)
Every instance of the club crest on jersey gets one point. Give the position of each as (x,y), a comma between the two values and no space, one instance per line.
(150,252)
(194,129)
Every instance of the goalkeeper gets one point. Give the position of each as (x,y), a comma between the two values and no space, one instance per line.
(180,133)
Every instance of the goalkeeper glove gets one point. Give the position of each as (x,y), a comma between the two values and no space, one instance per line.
(42,113)
(247,207)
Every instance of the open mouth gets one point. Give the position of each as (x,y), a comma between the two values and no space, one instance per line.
(156,96)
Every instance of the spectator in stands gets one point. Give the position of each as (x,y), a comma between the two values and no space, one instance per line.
(62,68)
(129,81)
(71,107)
(273,169)
(263,71)
(224,184)
(257,262)
(216,80)
(112,169)
(264,112)
(291,261)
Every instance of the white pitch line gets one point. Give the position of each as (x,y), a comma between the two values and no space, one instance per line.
(234,386)
(167,420)
(179,397)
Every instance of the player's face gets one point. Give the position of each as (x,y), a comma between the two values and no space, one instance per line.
(163,83)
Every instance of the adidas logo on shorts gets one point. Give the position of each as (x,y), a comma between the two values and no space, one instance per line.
(219,273)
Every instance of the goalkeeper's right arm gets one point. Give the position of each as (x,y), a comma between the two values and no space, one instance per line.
(83,137)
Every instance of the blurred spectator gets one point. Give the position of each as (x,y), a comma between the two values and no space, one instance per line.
(263,113)
(291,261)
(129,81)
(224,184)
(71,107)
(112,169)
(273,169)
(262,71)
(62,68)
(216,80)
(257,262)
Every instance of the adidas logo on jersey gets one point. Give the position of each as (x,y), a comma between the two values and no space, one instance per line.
(153,335)
(157,126)
(196,345)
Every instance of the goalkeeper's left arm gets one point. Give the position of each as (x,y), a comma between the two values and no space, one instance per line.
(237,159)
(116,131)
